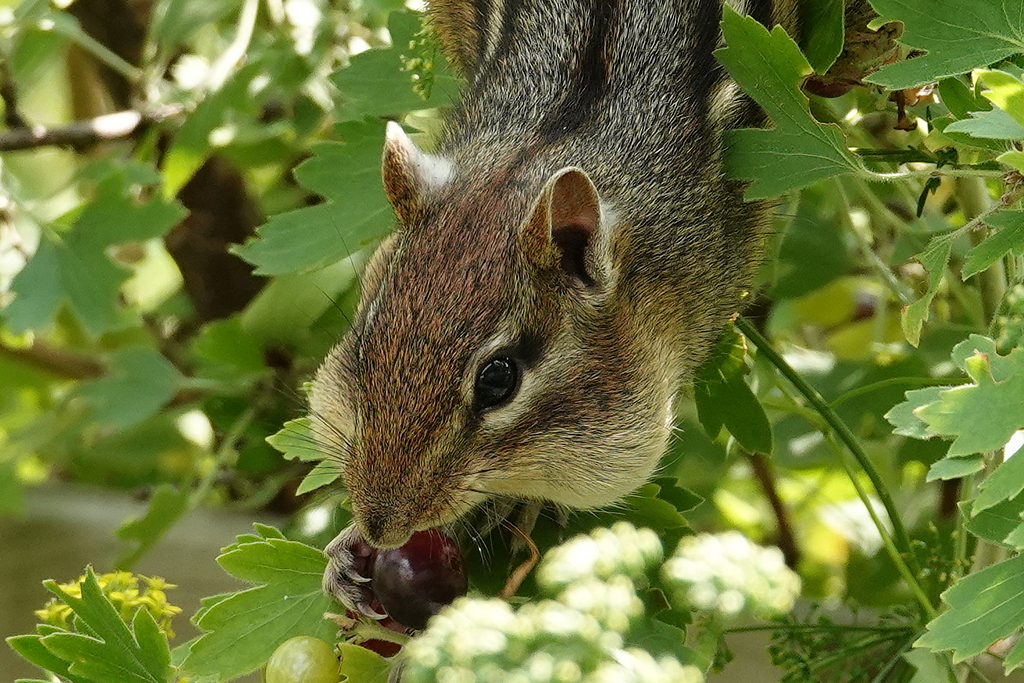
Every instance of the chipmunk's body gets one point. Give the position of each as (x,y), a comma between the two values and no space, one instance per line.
(565,258)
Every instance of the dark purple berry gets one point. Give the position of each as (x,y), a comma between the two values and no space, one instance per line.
(415,581)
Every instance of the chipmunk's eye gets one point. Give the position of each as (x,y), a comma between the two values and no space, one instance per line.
(496,381)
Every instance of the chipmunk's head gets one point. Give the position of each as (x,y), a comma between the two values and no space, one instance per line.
(493,353)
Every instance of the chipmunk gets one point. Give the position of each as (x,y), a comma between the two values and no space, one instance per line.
(565,258)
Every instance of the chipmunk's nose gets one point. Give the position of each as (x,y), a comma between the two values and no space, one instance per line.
(382,528)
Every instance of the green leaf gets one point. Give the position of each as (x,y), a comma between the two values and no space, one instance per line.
(903,416)
(960,99)
(376,82)
(934,259)
(822,26)
(175,21)
(244,628)
(1004,483)
(982,416)
(1005,90)
(958,36)
(317,236)
(994,125)
(724,399)
(32,650)
(1014,159)
(78,270)
(928,667)
(996,524)
(228,351)
(166,506)
(1009,238)
(1014,658)
(191,146)
(799,150)
(325,472)
(295,440)
(113,653)
(983,607)
(140,382)
(359,665)
(954,468)
(813,252)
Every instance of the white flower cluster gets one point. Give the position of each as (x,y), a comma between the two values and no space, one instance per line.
(728,574)
(603,553)
(578,637)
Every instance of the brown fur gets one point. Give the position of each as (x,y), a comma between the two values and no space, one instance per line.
(585,225)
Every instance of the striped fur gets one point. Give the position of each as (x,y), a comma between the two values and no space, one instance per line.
(582,226)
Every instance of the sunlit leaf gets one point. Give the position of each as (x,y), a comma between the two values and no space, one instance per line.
(798,150)
(982,416)
(242,629)
(317,236)
(957,36)
(114,652)
(1009,239)
(983,607)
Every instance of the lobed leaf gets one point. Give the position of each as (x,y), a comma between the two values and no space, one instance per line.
(140,382)
(958,36)
(242,629)
(78,271)
(982,416)
(983,607)
(113,652)
(376,82)
(166,506)
(934,259)
(725,400)
(799,150)
(1008,239)
(358,213)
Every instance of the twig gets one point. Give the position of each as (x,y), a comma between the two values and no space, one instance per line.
(9,94)
(64,364)
(109,127)
(786,540)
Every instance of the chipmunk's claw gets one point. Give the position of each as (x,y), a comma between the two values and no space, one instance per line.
(350,562)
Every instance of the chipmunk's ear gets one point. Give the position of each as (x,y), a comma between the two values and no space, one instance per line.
(409,174)
(564,231)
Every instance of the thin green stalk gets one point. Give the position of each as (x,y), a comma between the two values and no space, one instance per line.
(885,274)
(974,199)
(816,627)
(902,564)
(882,384)
(224,455)
(98,50)
(901,551)
(893,661)
(935,173)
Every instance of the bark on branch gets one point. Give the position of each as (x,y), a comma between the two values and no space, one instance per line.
(116,126)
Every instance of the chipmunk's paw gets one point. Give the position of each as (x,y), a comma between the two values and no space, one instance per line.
(350,561)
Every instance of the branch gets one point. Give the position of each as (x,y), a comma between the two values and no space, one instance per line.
(116,126)
(60,362)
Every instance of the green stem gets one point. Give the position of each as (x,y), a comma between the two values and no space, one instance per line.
(974,199)
(935,173)
(224,457)
(843,628)
(885,274)
(899,547)
(882,384)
